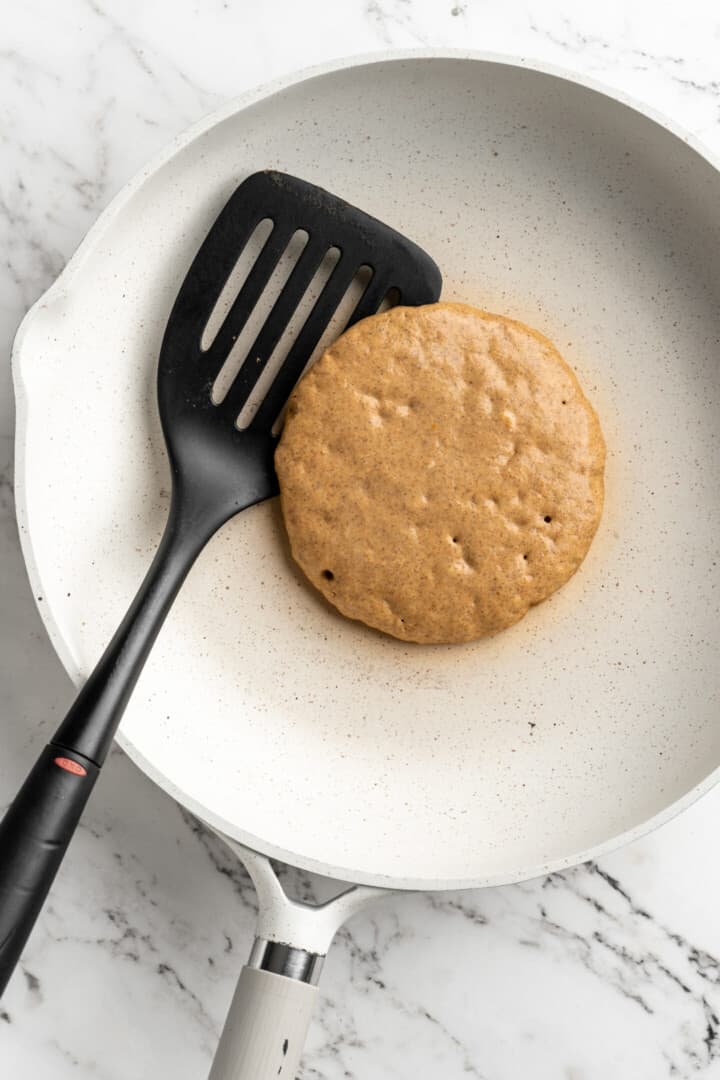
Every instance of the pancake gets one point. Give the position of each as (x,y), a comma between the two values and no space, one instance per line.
(441,471)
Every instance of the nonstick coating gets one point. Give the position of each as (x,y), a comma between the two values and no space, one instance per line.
(310,737)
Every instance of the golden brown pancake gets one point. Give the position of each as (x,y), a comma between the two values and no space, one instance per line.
(441,471)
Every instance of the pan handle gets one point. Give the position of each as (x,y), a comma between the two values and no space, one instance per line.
(265,1029)
(270,1014)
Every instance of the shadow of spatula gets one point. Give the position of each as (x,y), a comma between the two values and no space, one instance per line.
(217,470)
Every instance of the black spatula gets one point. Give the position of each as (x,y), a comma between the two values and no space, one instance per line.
(217,470)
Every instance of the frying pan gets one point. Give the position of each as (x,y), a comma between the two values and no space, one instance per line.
(300,736)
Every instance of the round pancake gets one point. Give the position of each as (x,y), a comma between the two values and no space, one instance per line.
(440,471)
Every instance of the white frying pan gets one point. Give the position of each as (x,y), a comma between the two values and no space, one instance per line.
(302,735)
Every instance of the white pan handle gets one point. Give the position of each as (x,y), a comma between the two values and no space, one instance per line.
(270,1014)
(265,1030)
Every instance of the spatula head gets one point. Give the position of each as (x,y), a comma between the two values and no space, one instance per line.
(202,434)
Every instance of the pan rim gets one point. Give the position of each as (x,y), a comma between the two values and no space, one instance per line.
(63,286)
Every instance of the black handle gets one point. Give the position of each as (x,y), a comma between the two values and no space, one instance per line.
(34,836)
(94,716)
(39,825)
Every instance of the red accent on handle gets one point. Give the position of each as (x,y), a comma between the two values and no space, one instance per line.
(70,766)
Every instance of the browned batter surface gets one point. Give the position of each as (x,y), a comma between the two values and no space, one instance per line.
(441,471)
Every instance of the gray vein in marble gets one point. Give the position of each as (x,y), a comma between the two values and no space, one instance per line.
(222,859)
(68,1055)
(25,74)
(574,41)
(468,1066)
(340,1032)
(366,960)
(459,903)
(7,488)
(29,238)
(33,983)
(133,44)
(642,970)
(391,15)
(126,942)
(147,59)
(30,263)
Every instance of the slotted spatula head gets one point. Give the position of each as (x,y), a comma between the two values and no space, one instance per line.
(231,468)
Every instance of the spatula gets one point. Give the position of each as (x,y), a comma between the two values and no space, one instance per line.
(217,470)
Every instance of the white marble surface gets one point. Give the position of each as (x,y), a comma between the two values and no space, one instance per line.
(610,970)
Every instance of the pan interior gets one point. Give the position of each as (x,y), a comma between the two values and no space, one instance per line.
(312,737)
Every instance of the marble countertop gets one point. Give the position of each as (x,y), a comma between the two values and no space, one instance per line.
(608,970)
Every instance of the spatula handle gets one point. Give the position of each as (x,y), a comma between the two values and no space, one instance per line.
(39,825)
(93,718)
(34,835)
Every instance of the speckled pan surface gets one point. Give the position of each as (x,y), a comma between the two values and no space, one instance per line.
(308,736)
